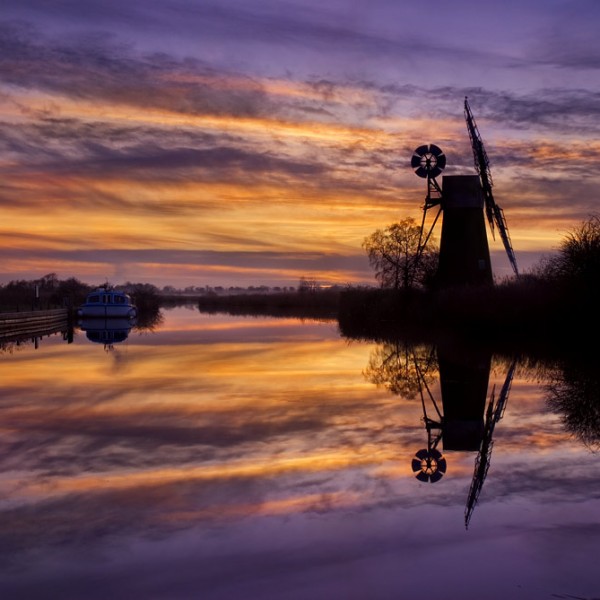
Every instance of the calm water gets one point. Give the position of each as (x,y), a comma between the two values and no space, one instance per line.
(230,458)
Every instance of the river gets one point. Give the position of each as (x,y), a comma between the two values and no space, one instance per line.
(221,457)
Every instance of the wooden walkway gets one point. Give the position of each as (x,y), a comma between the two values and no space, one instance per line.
(35,323)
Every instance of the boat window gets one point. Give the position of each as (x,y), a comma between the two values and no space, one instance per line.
(106,299)
(119,300)
(94,299)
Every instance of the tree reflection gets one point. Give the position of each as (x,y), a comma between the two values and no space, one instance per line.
(149,319)
(401,367)
(574,392)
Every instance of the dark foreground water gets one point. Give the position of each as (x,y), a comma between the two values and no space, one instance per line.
(239,458)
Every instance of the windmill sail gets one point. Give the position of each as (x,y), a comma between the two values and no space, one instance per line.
(494,213)
(495,411)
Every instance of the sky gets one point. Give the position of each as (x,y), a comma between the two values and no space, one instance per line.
(226,142)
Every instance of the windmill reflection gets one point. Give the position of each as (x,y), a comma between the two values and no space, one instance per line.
(466,420)
(107,331)
(494,412)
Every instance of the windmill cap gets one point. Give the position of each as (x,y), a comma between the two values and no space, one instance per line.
(462,191)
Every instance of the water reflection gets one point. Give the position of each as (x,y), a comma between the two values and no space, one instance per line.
(573,391)
(11,342)
(99,330)
(465,420)
(230,458)
(107,331)
(466,417)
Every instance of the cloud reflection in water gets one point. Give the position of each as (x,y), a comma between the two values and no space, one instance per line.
(252,458)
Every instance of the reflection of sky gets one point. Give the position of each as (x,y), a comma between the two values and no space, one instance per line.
(228,466)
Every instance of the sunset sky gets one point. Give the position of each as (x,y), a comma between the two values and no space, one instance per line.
(223,142)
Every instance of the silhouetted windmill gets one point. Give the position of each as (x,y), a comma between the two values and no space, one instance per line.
(464,250)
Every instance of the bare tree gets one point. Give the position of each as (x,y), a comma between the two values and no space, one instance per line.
(308,284)
(398,260)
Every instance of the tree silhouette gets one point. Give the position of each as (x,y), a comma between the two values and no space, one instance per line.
(577,263)
(394,254)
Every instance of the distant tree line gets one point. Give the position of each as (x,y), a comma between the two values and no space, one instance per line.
(204,290)
(51,292)
(46,292)
(316,304)
(561,293)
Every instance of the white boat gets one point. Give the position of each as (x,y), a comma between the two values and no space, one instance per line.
(104,302)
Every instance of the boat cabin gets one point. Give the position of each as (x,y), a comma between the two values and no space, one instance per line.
(103,302)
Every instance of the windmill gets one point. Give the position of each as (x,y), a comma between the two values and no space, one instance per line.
(464,250)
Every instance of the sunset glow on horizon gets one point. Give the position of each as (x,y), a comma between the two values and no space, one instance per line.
(228,144)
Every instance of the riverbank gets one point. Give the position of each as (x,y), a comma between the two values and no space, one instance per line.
(527,313)
(321,304)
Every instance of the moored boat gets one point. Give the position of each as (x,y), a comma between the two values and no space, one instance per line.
(105,302)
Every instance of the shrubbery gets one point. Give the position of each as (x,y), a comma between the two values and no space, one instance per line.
(46,292)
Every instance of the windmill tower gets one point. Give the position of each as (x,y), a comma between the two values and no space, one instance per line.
(464,249)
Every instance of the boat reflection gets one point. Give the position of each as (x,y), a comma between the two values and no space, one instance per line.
(464,420)
(107,331)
